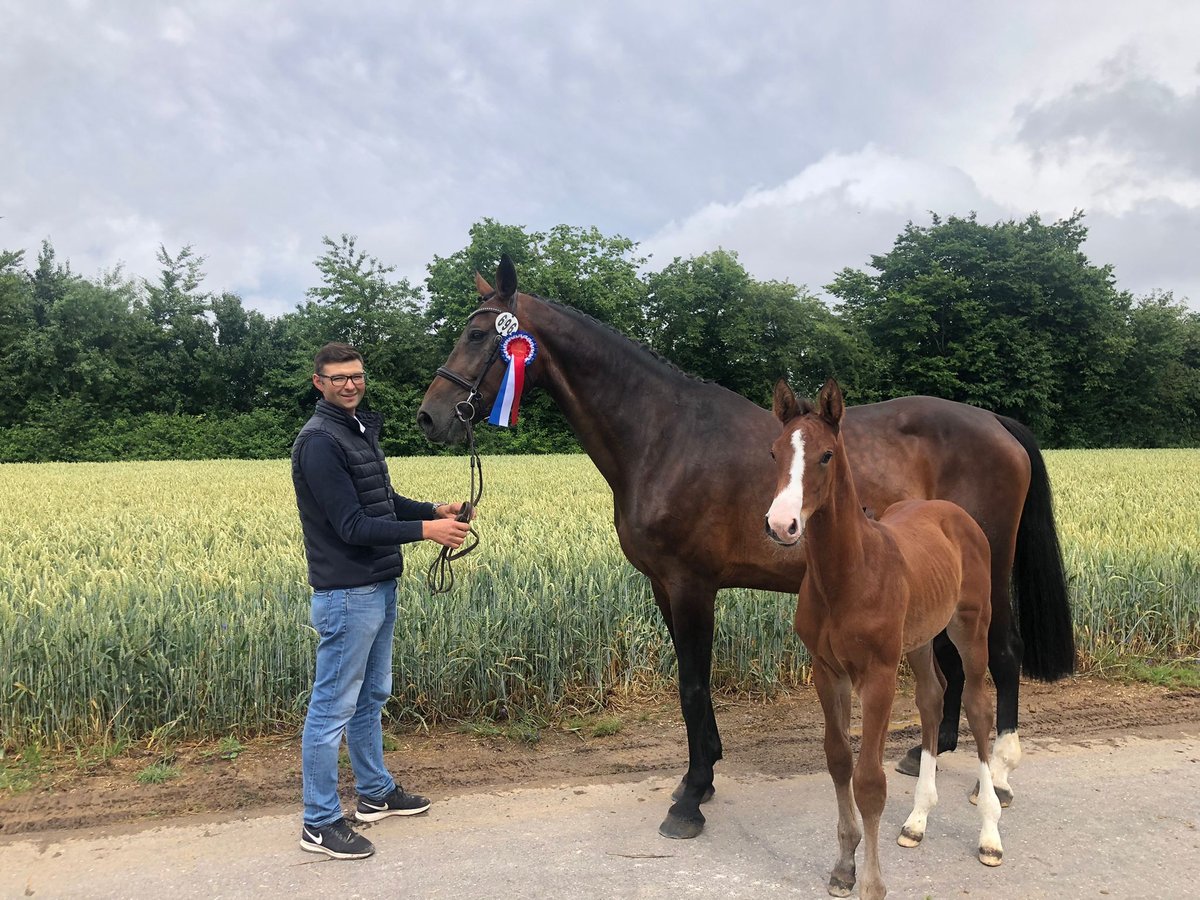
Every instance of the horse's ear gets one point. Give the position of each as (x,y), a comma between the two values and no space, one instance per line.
(786,407)
(482,286)
(831,403)
(506,279)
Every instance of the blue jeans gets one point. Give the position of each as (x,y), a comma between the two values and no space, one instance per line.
(353,682)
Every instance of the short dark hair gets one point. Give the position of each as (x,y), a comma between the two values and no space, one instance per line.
(334,352)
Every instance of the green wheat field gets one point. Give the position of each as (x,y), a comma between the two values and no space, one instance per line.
(138,598)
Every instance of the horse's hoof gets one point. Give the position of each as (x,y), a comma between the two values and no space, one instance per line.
(910,763)
(840,888)
(991,857)
(1004,795)
(909,838)
(677,794)
(679,828)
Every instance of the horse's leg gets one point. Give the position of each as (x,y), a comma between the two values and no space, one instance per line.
(972,644)
(691,608)
(930,687)
(834,693)
(664,606)
(877,690)
(952,674)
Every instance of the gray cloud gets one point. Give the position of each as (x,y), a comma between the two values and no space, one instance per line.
(1154,124)
(251,130)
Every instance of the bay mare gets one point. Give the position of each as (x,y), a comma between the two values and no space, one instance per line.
(688,466)
(877,591)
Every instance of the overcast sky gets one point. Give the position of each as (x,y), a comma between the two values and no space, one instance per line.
(802,135)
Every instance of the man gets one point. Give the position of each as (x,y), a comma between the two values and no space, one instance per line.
(353,524)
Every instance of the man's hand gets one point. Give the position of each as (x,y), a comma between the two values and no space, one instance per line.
(450,511)
(447,532)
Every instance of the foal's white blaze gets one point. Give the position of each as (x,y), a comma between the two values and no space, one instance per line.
(925,798)
(991,853)
(789,503)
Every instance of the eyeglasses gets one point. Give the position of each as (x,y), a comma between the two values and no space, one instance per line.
(340,380)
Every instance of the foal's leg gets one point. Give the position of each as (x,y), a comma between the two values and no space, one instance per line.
(877,689)
(834,692)
(950,668)
(972,644)
(930,686)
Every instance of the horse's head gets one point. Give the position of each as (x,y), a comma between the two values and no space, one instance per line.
(804,457)
(466,385)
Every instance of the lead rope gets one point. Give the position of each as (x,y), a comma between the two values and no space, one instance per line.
(440,577)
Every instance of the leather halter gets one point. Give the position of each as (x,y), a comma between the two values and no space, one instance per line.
(472,387)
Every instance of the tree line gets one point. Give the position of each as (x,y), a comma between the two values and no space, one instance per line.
(1010,316)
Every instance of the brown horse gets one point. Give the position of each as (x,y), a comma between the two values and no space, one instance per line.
(690,477)
(876,591)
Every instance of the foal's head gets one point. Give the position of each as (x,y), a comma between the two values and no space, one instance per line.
(804,455)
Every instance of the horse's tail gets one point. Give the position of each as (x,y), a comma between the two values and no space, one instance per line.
(1041,605)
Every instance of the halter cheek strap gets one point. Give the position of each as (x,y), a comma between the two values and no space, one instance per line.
(472,388)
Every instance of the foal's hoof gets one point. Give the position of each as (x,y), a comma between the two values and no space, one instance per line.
(1004,795)
(991,857)
(909,838)
(677,794)
(681,825)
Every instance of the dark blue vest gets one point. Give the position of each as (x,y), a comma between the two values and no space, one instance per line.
(333,563)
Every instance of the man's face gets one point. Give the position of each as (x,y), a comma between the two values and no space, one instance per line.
(348,394)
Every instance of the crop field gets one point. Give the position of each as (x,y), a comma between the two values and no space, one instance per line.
(142,599)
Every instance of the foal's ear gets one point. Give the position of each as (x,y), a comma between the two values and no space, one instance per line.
(506,279)
(831,404)
(786,407)
(482,286)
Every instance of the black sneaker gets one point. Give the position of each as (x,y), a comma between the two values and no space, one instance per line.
(398,803)
(337,839)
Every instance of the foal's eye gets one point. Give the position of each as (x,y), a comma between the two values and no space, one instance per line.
(826,457)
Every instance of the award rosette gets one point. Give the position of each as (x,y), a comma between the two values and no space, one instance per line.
(517,350)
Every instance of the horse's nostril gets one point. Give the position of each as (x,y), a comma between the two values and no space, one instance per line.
(793,528)
(424,420)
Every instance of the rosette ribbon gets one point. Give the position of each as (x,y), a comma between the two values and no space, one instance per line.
(517,350)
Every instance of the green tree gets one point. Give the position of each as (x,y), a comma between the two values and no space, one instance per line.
(1012,317)
(1155,394)
(179,342)
(17,322)
(709,317)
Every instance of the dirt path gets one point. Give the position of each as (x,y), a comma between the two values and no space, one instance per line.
(778,738)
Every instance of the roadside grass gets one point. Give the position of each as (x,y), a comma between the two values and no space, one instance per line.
(158,772)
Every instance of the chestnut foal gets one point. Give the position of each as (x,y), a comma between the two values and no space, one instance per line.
(876,591)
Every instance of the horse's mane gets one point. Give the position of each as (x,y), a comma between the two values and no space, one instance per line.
(586,318)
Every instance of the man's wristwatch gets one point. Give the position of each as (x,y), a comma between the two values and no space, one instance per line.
(437,504)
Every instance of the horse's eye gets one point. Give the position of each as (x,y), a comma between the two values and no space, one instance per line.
(826,457)
(476,334)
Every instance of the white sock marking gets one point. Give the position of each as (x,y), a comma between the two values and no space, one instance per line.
(989,811)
